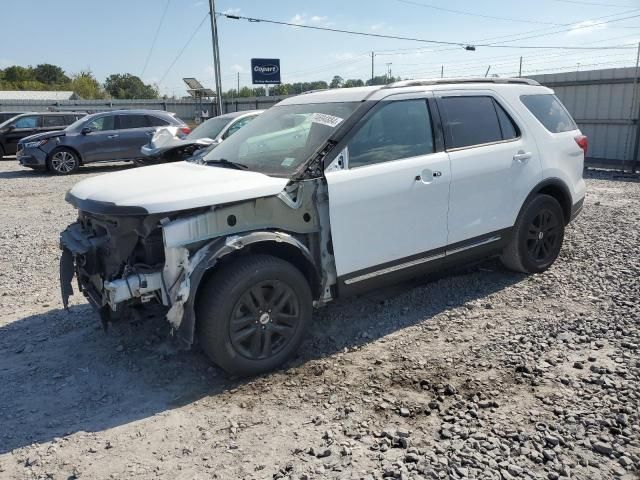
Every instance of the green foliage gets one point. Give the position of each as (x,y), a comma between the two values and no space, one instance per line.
(86,85)
(353,83)
(50,74)
(382,80)
(336,82)
(128,86)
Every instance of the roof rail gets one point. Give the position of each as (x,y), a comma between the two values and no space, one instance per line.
(314,91)
(445,81)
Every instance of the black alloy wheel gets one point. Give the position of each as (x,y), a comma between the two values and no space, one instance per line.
(264,320)
(543,236)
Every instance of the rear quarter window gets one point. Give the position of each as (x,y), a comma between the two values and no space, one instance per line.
(156,122)
(550,112)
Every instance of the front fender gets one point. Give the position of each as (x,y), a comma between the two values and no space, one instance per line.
(208,257)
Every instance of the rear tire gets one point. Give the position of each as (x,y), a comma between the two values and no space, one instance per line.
(253,315)
(63,161)
(537,236)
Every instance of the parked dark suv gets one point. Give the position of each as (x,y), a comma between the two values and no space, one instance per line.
(100,137)
(26,124)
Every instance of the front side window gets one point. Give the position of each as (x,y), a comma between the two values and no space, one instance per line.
(549,112)
(281,139)
(209,129)
(26,122)
(102,124)
(470,121)
(132,121)
(53,121)
(399,129)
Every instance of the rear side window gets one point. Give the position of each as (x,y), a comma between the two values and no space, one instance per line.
(132,121)
(156,122)
(508,127)
(471,121)
(53,121)
(399,129)
(549,112)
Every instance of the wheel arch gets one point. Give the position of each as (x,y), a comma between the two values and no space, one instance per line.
(65,147)
(556,188)
(224,250)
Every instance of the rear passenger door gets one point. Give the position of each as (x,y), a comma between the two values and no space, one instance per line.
(134,131)
(493,161)
(52,123)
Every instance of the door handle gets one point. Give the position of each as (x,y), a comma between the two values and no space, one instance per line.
(115,135)
(427,176)
(522,156)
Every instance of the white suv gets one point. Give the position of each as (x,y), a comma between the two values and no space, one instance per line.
(325,195)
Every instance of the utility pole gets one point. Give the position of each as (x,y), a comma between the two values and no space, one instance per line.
(520,71)
(216,54)
(442,71)
(372,56)
(388,71)
(238,83)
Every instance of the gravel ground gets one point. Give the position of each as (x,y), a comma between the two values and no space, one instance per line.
(477,373)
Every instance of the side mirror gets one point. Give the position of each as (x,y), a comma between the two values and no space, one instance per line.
(85,130)
(11,128)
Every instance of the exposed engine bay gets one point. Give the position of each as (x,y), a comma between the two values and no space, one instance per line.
(130,261)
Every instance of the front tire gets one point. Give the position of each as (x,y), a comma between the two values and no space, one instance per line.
(253,315)
(537,236)
(63,161)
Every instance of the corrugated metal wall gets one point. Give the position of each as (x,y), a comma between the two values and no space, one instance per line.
(185,109)
(599,100)
(601,103)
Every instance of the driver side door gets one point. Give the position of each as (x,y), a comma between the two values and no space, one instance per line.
(388,203)
(22,127)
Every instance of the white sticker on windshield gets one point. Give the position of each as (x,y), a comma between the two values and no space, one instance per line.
(324,119)
(287,162)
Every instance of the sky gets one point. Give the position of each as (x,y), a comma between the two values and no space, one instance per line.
(117,36)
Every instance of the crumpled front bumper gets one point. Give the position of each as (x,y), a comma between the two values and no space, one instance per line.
(78,252)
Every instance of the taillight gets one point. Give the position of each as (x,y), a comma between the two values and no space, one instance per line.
(185,130)
(583,143)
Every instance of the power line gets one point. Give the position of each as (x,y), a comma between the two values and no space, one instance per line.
(595,3)
(155,38)
(462,12)
(183,48)
(575,27)
(439,42)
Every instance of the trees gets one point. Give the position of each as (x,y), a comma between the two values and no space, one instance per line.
(336,82)
(128,86)
(86,86)
(353,83)
(50,74)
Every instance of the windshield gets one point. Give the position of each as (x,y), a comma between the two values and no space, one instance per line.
(209,129)
(282,138)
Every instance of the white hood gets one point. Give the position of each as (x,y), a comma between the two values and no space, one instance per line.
(177,186)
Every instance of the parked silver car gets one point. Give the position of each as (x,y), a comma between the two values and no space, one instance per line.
(165,147)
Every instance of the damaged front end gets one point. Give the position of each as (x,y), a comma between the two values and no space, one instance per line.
(141,260)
